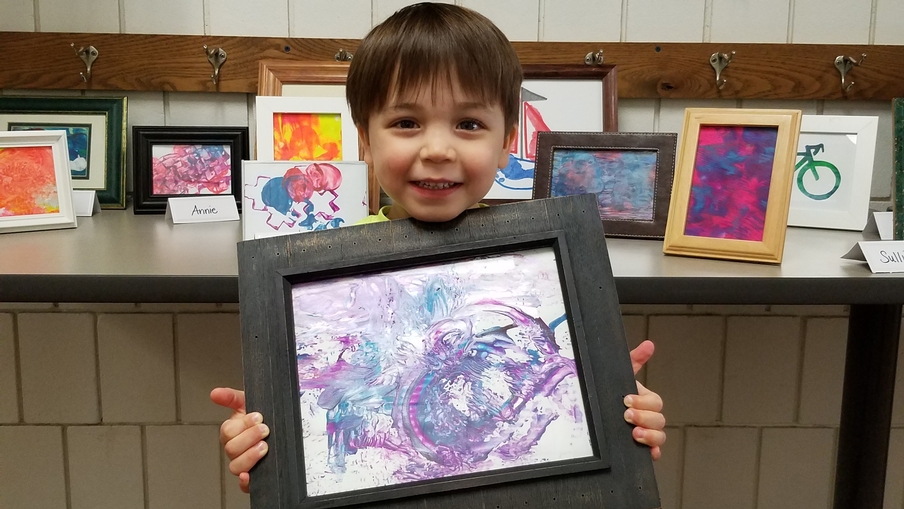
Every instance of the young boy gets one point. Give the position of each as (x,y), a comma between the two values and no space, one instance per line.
(434,92)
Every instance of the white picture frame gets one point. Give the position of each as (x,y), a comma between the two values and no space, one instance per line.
(271,205)
(840,149)
(267,107)
(42,153)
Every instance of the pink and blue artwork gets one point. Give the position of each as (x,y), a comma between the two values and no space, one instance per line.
(731,181)
(436,371)
(624,181)
(286,197)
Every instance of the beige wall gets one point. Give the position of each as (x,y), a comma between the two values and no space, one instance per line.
(105,406)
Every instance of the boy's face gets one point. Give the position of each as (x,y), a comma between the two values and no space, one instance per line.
(436,154)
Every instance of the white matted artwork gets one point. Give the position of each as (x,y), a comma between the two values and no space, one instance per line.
(305,129)
(285,197)
(572,105)
(833,172)
(36,191)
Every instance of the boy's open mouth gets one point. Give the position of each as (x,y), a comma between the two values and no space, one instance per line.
(435,185)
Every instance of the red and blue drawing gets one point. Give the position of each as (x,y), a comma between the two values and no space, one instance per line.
(731,181)
(289,197)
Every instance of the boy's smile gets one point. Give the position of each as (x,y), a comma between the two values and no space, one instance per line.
(435,151)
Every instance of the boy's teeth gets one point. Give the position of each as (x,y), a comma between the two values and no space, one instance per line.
(435,185)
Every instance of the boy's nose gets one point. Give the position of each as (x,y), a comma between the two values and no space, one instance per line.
(437,147)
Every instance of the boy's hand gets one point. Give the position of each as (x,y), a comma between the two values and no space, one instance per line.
(242,435)
(645,408)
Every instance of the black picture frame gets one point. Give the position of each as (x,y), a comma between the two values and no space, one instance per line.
(618,473)
(633,207)
(145,138)
(109,116)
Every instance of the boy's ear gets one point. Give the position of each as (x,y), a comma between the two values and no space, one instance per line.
(507,146)
(364,145)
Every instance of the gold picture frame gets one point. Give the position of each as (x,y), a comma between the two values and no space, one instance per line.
(310,79)
(732,187)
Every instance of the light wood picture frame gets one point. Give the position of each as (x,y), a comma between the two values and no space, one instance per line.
(310,79)
(732,187)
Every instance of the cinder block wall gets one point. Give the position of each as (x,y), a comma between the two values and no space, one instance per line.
(105,406)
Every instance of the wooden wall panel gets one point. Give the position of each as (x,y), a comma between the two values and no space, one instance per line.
(645,70)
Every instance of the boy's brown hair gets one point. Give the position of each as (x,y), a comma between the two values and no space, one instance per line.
(431,44)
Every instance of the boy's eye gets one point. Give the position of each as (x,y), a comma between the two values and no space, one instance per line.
(406,124)
(469,125)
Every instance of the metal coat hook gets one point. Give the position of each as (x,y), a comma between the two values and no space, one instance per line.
(88,56)
(216,57)
(720,61)
(343,56)
(844,65)
(594,58)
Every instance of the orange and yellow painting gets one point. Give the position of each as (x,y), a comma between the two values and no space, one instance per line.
(28,182)
(307,137)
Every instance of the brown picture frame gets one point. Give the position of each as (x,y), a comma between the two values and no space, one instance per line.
(629,173)
(275,75)
(710,172)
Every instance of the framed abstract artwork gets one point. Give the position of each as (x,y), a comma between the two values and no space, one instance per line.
(284,197)
(296,78)
(834,171)
(186,161)
(555,97)
(305,129)
(96,134)
(629,173)
(898,172)
(37,185)
(732,185)
(411,364)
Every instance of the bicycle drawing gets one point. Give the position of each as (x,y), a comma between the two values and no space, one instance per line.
(808,164)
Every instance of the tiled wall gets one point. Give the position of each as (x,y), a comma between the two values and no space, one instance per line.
(105,406)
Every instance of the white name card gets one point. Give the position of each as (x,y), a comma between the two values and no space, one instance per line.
(202,209)
(879,225)
(85,203)
(883,255)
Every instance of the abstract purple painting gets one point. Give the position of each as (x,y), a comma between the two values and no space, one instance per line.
(624,181)
(731,180)
(436,371)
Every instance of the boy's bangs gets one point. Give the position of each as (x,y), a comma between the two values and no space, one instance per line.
(412,78)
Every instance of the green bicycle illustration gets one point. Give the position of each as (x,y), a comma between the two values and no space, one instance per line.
(807,163)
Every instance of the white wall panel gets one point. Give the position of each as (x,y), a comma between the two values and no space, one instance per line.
(821,22)
(338,19)
(580,20)
(749,21)
(163,17)
(261,18)
(665,21)
(17,15)
(93,16)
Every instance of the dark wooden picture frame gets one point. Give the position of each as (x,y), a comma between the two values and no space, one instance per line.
(145,138)
(607,75)
(107,114)
(617,473)
(629,173)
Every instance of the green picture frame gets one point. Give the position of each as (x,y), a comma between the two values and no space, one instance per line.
(102,165)
(898,167)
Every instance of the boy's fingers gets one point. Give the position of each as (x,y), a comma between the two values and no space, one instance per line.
(649,437)
(653,421)
(238,433)
(641,354)
(243,463)
(645,399)
(245,482)
(229,398)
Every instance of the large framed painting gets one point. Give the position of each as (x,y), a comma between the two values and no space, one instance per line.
(284,197)
(186,161)
(554,97)
(834,171)
(36,190)
(898,175)
(96,138)
(732,184)
(462,364)
(629,173)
